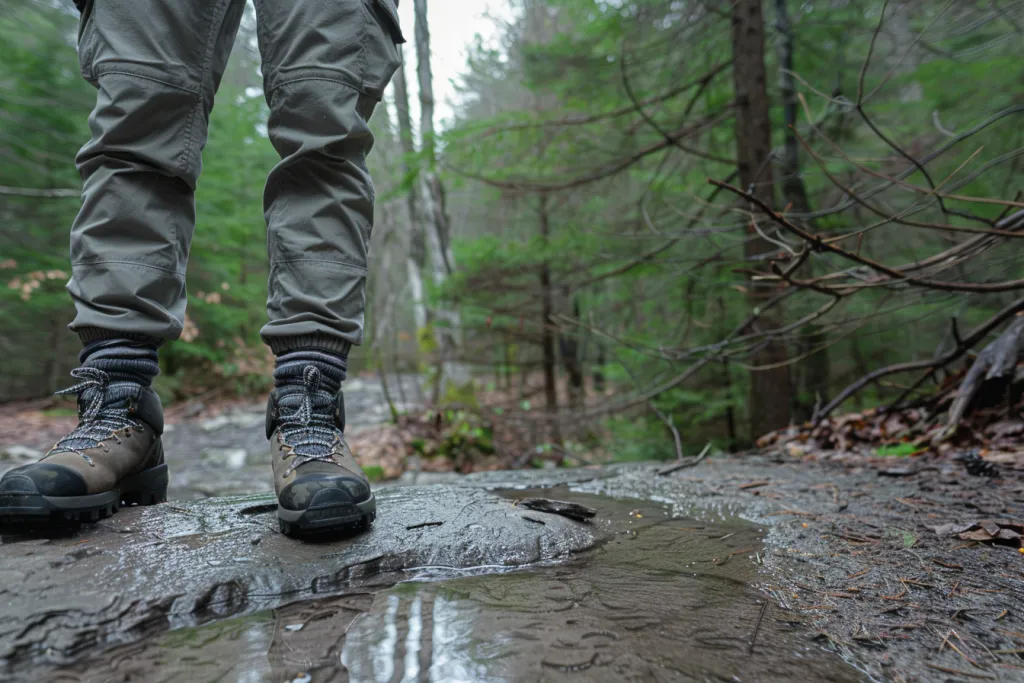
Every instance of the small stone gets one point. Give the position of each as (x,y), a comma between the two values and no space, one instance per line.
(243,419)
(215,423)
(19,453)
(231,458)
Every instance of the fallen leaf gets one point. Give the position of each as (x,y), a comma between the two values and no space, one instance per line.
(1004,532)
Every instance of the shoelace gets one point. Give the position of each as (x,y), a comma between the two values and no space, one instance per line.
(311,433)
(99,420)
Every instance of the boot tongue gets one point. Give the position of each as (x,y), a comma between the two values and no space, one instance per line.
(114,396)
(307,418)
(94,404)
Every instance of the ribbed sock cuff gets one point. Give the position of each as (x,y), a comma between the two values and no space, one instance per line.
(89,335)
(123,359)
(319,341)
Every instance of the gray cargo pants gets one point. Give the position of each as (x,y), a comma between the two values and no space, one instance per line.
(157,65)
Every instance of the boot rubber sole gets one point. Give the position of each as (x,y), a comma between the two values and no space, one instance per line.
(332,520)
(145,488)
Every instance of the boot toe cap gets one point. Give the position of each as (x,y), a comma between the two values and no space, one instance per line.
(315,492)
(43,479)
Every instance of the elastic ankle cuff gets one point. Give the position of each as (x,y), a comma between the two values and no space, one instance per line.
(92,334)
(320,342)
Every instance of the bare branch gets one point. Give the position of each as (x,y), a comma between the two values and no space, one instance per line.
(35,192)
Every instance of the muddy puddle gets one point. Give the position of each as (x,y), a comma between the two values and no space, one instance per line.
(664,599)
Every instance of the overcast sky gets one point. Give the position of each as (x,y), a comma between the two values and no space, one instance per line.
(453,23)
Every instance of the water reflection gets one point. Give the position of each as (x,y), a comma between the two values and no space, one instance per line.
(665,599)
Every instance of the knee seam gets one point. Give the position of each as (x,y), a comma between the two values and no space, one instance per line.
(299,79)
(343,265)
(137,264)
(146,77)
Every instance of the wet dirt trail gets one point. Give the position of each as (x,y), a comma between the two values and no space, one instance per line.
(842,553)
(661,597)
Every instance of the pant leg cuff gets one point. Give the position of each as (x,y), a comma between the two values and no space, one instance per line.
(318,341)
(92,334)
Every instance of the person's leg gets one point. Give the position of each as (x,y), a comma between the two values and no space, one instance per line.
(325,67)
(156,66)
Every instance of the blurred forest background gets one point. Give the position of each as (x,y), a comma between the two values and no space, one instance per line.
(558,240)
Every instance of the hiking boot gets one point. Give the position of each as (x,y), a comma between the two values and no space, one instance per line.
(320,487)
(113,457)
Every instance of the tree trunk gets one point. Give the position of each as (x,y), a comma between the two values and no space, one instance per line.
(425,78)
(813,370)
(416,255)
(792,183)
(432,189)
(547,329)
(599,361)
(770,389)
(569,345)
(447,325)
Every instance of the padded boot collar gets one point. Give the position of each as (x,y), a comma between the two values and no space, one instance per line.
(149,409)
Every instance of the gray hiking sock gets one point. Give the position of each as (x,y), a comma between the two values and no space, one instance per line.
(289,369)
(123,360)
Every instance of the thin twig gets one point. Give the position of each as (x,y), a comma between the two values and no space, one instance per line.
(36,192)
(946,669)
(757,627)
(689,463)
(670,423)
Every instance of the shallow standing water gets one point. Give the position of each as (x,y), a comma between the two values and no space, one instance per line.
(663,600)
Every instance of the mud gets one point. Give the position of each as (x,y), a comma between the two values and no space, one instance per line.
(662,598)
(852,553)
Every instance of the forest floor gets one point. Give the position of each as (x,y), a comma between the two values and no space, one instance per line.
(909,565)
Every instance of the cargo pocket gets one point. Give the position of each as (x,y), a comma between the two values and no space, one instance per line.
(86,39)
(381,38)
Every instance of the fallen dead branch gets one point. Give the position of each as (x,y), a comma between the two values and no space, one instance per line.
(675,467)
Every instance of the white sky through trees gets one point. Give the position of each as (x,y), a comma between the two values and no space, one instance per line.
(453,27)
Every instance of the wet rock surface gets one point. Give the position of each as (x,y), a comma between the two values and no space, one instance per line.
(182,564)
(661,598)
(837,555)
(855,557)
(858,558)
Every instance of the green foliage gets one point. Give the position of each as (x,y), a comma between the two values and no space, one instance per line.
(638,440)
(373,472)
(44,105)
(426,340)
(572,187)
(460,395)
(464,435)
(899,450)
